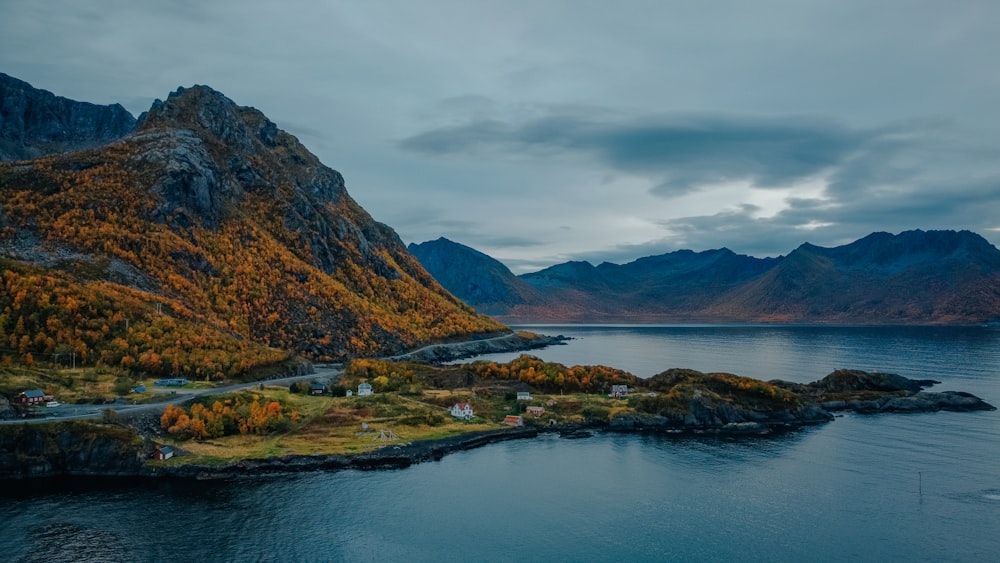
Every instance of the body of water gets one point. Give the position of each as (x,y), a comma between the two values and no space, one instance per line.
(919,487)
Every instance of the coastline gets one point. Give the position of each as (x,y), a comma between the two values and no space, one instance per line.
(116,456)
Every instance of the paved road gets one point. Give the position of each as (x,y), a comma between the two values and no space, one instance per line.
(86,412)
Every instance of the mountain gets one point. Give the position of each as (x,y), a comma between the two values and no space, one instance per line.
(915,277)
(473,276)
(206,242)
(35,122)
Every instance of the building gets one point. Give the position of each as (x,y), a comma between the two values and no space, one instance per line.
(523,396)
(537,411)
(513,420)
(172,382)
(317,389)
(461,410)
(33,397)
(163,453)
(364,389)
(619,391)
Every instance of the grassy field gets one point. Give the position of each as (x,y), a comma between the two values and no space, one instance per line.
(344,425)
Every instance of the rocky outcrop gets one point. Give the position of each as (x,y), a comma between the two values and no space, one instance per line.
(871,392)
(36,123)
(451,351)
(722,418)
(70,448)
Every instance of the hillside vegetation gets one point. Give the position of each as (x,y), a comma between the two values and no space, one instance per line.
(206,242)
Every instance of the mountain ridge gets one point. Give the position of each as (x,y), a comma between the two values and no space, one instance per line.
(914,277)
(35,122)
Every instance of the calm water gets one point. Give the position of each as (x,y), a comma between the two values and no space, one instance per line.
(920,487)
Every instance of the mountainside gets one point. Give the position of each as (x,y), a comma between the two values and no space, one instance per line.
(209,241)
(35,122)
(916,277)
(473,276)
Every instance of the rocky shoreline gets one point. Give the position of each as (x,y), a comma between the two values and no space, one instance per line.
(453,351)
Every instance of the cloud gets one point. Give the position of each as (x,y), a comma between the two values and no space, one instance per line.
(678,153)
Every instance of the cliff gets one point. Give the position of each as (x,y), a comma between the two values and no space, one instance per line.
(36,123)
(70,448)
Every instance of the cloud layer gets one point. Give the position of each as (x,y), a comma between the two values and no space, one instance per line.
(540,132)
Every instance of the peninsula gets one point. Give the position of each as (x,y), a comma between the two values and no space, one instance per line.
(391,414)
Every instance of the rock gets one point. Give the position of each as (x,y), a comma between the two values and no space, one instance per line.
(956,401)
(35,123)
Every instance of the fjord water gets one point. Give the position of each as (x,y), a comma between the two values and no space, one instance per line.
(920,487)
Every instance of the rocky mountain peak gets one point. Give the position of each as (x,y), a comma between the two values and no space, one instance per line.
(215,151)
(206,110)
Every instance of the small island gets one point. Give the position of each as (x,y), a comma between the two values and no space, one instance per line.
(379,413)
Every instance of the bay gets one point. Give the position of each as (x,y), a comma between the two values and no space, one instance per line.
(919,487)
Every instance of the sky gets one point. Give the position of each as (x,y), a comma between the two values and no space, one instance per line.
(545,131)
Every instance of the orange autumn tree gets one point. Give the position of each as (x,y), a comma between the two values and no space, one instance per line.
(225,417)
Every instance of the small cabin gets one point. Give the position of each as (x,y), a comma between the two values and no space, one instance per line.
(619,391)
(461,410)
(513,420)
(33,397)
(364,389)
(317,389)
(163,453)
(537,411)
(523,395)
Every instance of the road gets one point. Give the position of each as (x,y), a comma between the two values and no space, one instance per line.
(87,412)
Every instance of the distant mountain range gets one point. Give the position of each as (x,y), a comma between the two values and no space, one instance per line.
(198,240)
(915,277)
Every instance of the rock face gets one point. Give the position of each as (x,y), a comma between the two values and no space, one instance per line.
(915,277)
(69,449)
(36,123)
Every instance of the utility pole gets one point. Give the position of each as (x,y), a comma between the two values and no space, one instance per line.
(73,354)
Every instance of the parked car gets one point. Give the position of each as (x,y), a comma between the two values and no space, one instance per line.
(53,404)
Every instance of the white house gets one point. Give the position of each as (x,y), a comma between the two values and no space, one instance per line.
(461,410)
(619,391)
(364,389)
(523,396)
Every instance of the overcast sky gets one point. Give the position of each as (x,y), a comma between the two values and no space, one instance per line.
(546,131)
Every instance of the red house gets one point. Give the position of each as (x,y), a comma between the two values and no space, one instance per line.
(33,397)
(513,420)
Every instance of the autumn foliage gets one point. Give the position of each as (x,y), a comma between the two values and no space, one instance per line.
(110,269)
(555,377)
(227,416)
